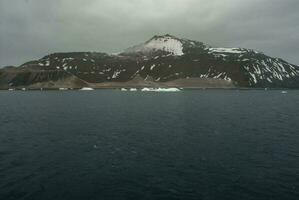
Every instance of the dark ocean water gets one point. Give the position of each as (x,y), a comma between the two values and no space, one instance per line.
(212,144)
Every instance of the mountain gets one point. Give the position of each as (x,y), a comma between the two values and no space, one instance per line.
(162,61)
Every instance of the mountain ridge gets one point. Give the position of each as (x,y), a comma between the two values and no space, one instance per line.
(161,59)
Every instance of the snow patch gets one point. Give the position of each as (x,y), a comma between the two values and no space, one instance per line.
(117,73)
(152,67)
(227,50)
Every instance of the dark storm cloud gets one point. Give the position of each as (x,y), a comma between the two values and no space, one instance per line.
(30,29)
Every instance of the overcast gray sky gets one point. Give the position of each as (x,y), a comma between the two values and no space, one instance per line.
(30,29)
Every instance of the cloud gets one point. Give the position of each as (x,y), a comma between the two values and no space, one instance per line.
(30,29)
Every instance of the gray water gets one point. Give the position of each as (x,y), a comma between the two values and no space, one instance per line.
(105,144)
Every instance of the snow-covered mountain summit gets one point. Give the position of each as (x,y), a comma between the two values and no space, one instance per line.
(167,43)
(178,47)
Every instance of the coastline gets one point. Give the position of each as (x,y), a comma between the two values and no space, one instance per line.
(140,88)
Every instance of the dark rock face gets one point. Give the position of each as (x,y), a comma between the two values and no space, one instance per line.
(161,60)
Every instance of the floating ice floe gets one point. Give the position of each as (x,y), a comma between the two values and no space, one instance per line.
(63,89)
(284,92)
(131,89)
(10,89)
(160,90)
(86,89)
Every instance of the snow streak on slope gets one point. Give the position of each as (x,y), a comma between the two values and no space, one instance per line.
(270,70)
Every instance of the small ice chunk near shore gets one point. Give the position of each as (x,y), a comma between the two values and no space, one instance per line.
(131,89)
(160,90)
(86,89)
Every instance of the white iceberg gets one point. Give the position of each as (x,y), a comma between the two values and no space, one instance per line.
(168,90)
(131,89)
(86,89)
(160,90)
(147,89)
